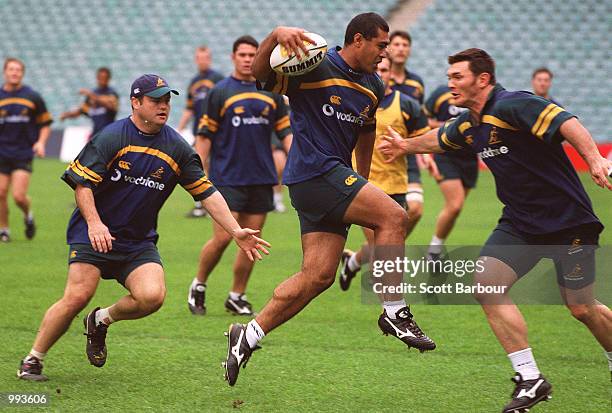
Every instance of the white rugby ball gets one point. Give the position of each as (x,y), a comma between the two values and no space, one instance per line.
(285,62)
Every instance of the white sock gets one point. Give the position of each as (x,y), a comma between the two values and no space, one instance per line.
(30,215)
(234,295)
(609,356)
(38,355)
(435,245)
(197,204)
(104,317)
(254,333)
(392,307)
(524,363)
(6,230)
(353,264)
(278,197)
(195,282)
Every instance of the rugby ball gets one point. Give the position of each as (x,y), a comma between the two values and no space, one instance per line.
(285,62)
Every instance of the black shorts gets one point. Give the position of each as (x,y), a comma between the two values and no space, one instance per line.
(114,265)
(7,166)
(276,143)
(454,167)
(572,251)
(251,199)
(400,199)
(414,173)
(322,201)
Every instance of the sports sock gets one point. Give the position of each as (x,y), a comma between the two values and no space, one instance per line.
(235,296)
(278,197)
(36,354)
(197,204)
(195,282)
(392,307)
(524,363)
(353,264)
(104,317)
(5,230)
(254,333)
(609,356)
(435,245)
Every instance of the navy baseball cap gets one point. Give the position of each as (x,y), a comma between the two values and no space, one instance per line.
(150,85)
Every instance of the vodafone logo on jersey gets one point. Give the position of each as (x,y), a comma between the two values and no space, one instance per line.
(328,110)
(250,120)
(493,152)
(141,180)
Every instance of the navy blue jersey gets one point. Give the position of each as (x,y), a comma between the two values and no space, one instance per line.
(22,114)
(239,120)
(330,106)
(438,107)
(412,86)
(132,174)
(100,115)
(196,93)
(518,138)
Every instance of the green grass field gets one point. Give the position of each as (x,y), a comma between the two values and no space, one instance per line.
(331,357)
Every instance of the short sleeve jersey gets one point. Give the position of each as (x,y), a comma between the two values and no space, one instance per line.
(197,90)
(100,115)
(330,106)
(239,120)
(132,174)
(412,86)
(518,138)
(22,113)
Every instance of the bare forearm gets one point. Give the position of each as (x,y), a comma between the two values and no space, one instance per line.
(109,102)
(75,113)
(202,147)
(261,65)
(220,212)
(427,143)
(187,114)
(363,153)
(43,134)
(580,138)
(86,204)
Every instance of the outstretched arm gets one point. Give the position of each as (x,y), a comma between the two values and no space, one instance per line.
(393,145)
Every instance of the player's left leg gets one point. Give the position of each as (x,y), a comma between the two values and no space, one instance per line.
(5,180)
(350,262)
(20,180)
(454,196)
(280,159)
(237,302)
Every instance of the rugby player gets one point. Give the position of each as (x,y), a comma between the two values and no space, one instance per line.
(541,82)
(458,170)
(121,180)
(101,104)
(333,111)
(24,131)
(235,130)
(405,115)
(518,135)
(196,94)
(411,85)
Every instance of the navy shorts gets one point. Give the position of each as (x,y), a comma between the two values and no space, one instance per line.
(455,167)
(7,166)
(250,199)
(414,173)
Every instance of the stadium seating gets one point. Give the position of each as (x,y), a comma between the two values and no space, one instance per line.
(570,37)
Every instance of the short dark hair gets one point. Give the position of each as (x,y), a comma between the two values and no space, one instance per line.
(105,69)
(367,24)
(479,62)
(401,33)
(15,60)
(202,48)
(542,70)
(246,39)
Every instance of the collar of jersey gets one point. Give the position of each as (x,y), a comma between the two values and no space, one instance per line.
(149,135)
(496,89)
(338,60)
(242,82)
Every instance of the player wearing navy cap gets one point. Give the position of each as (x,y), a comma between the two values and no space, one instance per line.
(518,135)
(101,104)
(121,180)
(235,130)
(24,131)
(333,111)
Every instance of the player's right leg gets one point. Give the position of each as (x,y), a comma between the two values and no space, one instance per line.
(20,181)
(5,180)
(81,285)
(211,253)
(350,262)
(280,159)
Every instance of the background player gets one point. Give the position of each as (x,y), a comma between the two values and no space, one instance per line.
(121,180)
(405,115)
(24,131)
(197,90)
(518,135)
(541,82)
(327,194)
(101,104)
(458,170)
(236,125)
(410,84)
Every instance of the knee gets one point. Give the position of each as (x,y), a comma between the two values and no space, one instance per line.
(152,300)
(415,211)
(581,312)
(454,208)
(397,220)
(321,278)
(221,240)
(75,302)
(20,197)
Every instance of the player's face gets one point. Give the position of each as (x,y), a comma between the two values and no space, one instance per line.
(102,78)
(243,59)
(153,110)
(202,59)
(463,84)
(13,74)
(541,84)
(384,71)
(372,51)
(399,50)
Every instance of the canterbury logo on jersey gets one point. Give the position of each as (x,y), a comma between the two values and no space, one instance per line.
(141,180)
(350,180)
(328,110)
(251,120)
